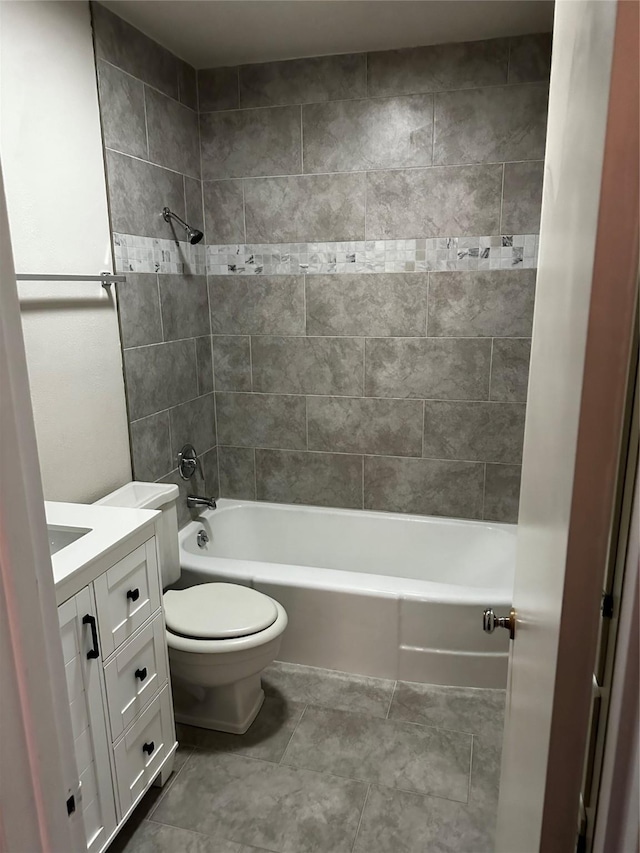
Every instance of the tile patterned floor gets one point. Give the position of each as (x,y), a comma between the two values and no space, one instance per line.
(334,763)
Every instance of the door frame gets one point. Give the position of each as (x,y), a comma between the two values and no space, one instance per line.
(603,410)
(36,739)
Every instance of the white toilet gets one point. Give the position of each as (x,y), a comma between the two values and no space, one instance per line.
(220,636)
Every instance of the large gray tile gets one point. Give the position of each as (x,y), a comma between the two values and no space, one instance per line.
(482,304)
(185,306)
(237,472)
(490,125)
(510,369)
(240,143)
(193,423)
(218,89)
(522,197)
(267,737)
(187,85)
(386,752)
(305,208)
(438,67)
(303,81)
(261,420)
(308,365)
(502,493)
(530,58)
(375,304)
(193,201)
(151,837)
(204,365)
(254,802)
(264,305)
(358,425)
(209,461)
(384,133)
(340,691)
(431,368)
(159,376)
(463,709)
(173,134)
(232,362)
(479,432)
(122,111)
(224,212)
(139,310)
(436,202)
(395,821)
(317,479)
(125,46)
(151,447)
(424,486)
(137,193)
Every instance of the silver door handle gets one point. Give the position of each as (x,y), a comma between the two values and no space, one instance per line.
(490,622)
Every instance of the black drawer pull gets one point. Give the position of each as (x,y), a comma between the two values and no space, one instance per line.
(95,651)
(134,594)
(141,673)
(149,747)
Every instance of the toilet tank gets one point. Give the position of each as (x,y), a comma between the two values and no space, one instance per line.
(162,496)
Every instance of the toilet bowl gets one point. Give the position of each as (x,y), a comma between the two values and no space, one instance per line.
(220,636)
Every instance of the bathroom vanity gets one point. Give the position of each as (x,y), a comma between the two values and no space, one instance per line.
(109,594)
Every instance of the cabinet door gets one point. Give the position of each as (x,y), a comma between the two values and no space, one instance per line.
(78,629)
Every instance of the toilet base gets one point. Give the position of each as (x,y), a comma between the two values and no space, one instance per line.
(224,708)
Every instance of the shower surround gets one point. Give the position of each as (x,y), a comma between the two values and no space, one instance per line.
(371,236)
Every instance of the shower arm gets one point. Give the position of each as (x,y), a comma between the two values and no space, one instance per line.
(168,215)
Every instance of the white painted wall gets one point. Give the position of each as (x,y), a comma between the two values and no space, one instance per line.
(51,150)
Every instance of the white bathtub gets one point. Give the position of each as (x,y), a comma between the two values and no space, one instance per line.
(388,595)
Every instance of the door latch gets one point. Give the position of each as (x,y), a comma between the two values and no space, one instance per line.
(490,622)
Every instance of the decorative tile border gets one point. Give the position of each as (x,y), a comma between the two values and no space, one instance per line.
(146,254)
(151,254)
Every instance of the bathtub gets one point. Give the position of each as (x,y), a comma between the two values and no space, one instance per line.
(381,594)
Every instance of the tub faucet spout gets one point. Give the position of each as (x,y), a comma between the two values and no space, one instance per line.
(194,501)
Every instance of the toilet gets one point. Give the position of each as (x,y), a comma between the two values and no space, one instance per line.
(220,636)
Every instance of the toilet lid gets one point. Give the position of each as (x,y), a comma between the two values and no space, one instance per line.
(218,611)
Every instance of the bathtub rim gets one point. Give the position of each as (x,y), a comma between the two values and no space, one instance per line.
(350,583)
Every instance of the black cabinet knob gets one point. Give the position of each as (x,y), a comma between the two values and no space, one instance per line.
(149,747)
(134,594)
(141,673)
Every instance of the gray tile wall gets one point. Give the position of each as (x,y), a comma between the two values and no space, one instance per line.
(148,105)
(392,391)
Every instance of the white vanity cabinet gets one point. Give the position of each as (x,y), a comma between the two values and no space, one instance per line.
(115,653)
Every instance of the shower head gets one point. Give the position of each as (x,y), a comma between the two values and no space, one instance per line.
(193,234)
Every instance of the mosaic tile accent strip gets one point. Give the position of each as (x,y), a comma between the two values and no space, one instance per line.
(151,254)
(508,251)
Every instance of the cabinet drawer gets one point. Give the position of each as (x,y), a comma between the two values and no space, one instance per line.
(141,750)
(126,596)
(135,675)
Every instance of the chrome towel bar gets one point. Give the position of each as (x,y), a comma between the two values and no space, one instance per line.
(105,278)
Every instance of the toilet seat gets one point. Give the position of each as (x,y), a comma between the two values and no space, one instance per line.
(218,611)
(249,644)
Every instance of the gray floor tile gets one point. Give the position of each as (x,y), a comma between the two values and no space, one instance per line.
(282,809)
(401,822)
(337,690)
(152,837)
(463,709)
(388,752)
(485,773)
(266,739)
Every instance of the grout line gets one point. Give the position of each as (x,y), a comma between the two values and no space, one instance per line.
(151,86)
(255,474)
(484,486)
(244,214)
(169,784)
(433,128)
(364,805)
(393,693)
(295,729)
(146,123)
(424,407)
(490,370)
(301,140)
(504,166)
(250,363)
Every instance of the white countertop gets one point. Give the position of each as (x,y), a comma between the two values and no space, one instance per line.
(112,531)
